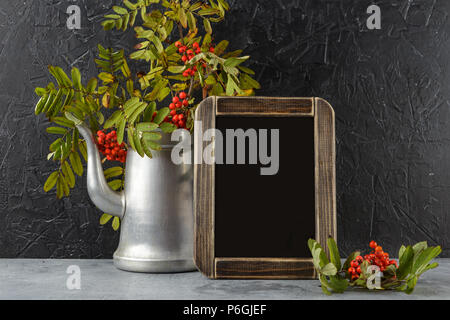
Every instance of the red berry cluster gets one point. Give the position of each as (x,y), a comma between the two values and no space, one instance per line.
(108,146)
(176,109)
(188,53)
(377,257)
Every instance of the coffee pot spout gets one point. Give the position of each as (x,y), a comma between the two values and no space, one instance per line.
(106,199)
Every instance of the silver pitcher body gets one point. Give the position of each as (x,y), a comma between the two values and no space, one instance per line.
(155,207)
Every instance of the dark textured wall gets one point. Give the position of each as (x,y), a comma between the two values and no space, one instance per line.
(390,89)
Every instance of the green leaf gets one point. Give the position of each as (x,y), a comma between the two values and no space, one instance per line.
(151,143)
(116,223)
(51,181)
(68,174)
(41,104)
(92,85)
(246,70)
(64,185)
(324,284)
(221,47)
(147,126)
(120,10)
(248,82)
(83,149)
(113,119)
(423,258)
(56,130)
(338,284)
(55,144)
(137,112)
(76,78)
(105,218)
(411,283)
(121,131)
(182,17)
(192,23)
(131,105)
(113,172)
(115,184)
(130,133)
(401,251)
(405,263)
(176,69)
(234,62)
(148,114)
(106,77)
(154,136)
(311,244)
(167,127)
(75,161)
(146,148)
(63,122)
(40,91)
(334,253)
(138,144)
(329,269)
(59,188)
(207,26)
(161,115)
(419,247)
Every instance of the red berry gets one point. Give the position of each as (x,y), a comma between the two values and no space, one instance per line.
(185,103)
(378,249)
(182,95)
(359,259)
(173,112)
(354,264)
(184,58)
(175,99)
(178,44)
(211,49)
(373,244)
(351,270)
(195,45)
(172,106)
(358,270)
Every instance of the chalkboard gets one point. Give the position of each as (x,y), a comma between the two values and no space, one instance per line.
(245,198)
(255,224)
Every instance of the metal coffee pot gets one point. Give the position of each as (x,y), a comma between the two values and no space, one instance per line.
(155,208)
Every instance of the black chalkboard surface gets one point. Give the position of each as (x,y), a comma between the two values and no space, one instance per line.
(253,217)
(267,215)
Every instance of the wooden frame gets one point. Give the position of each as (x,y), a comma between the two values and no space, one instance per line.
(204,193)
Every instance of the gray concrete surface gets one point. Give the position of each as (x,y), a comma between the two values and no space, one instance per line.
(46,279)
